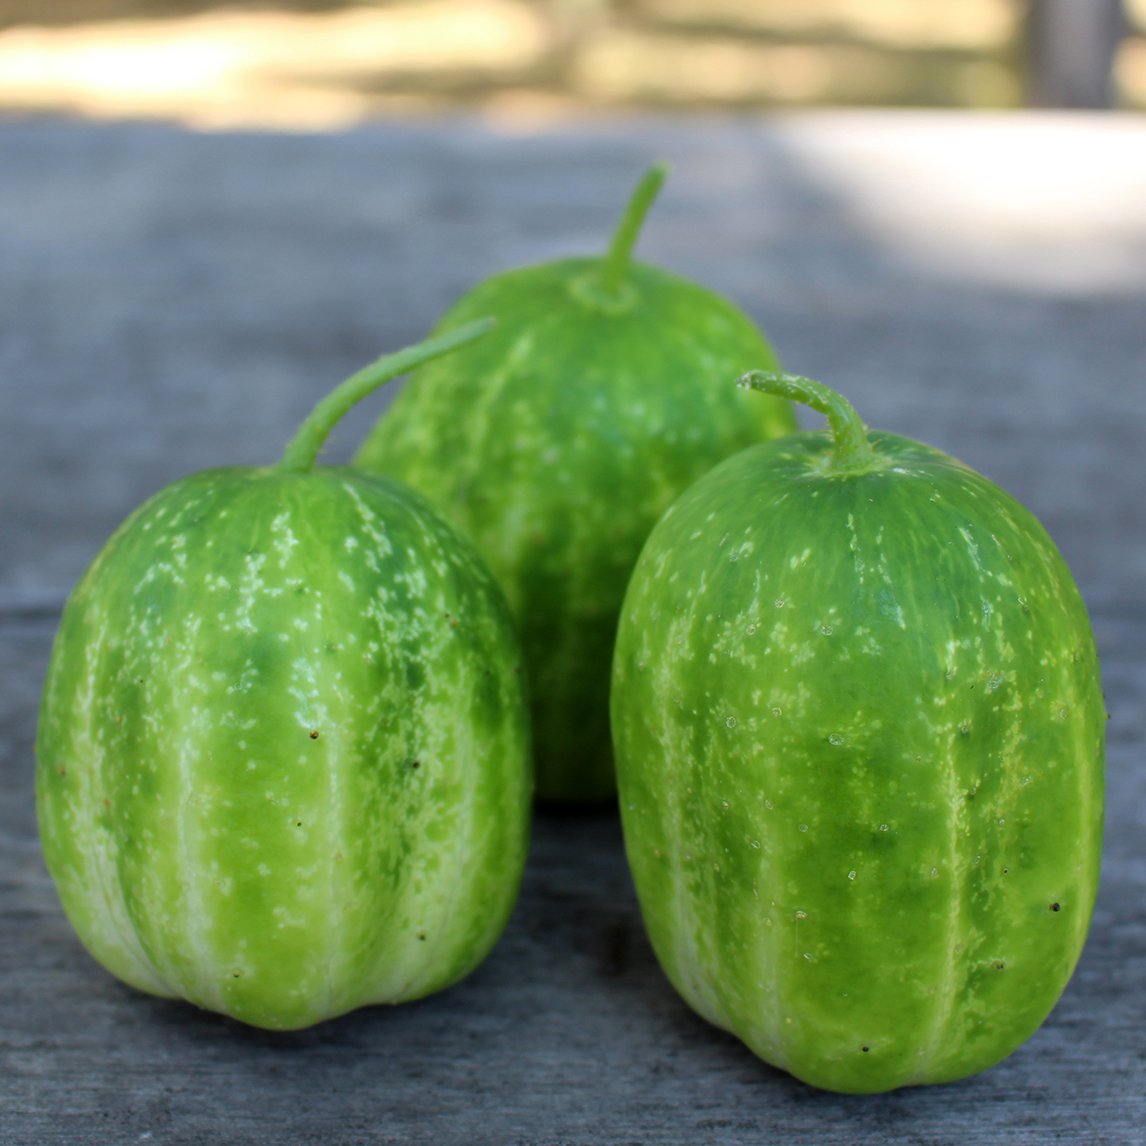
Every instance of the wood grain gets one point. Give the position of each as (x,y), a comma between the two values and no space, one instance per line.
(171,301)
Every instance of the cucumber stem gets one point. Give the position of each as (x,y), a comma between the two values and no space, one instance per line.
(302,450)
(852,452)
(603,287)
(616,263)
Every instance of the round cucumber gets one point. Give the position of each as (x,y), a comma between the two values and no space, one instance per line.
(283,752)
(859,738)
(557,442)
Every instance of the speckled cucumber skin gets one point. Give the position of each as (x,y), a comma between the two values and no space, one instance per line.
(283,752)
(555,443)
(859,739)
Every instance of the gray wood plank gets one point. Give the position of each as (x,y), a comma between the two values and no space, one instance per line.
(567,1034)
(171,301)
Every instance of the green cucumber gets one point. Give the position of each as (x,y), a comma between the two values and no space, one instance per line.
(859,737)
(557,442)
(283,751)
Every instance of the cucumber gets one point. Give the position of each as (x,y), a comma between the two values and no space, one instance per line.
(283,751)
(557,442)
(859,736)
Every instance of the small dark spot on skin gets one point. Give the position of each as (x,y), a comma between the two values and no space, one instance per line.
(1006,871)
(106,802)
(236,974)
(62,771)
(422,936)
(314,734)
(865,1049)
(1000,965)
(1056,907)
(298,823)
(415,763)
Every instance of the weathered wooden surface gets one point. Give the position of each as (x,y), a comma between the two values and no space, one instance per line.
(170,302)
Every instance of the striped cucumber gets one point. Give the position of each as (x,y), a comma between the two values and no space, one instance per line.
(859,737)
(557,442)
(283,751)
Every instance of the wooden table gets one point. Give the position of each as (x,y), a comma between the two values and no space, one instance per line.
(171,301)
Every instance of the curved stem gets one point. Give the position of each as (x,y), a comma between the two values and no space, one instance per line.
(616,262)
(852,451)
(302,450)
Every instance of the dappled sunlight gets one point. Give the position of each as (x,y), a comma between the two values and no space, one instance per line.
(312,64)
(231,67)
(990,199)
(666,70)
(951,24)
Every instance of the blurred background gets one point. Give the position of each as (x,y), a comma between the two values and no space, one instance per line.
(210,212)
(317,64)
